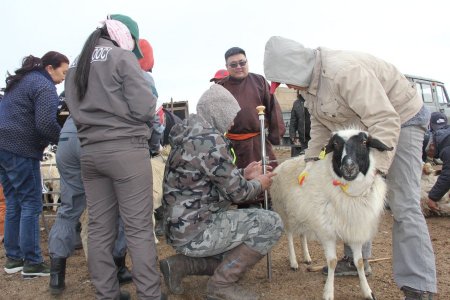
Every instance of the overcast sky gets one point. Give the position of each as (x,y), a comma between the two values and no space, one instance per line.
(190,38)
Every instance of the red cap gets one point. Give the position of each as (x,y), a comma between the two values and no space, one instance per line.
(273,87)
(222,73)
(147,61)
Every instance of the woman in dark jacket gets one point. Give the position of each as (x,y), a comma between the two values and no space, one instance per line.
(27,125)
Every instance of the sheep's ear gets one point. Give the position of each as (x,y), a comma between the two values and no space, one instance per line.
(377,144)
(330,146)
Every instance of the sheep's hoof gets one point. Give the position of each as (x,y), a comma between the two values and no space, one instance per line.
(294,269)
(372,297)
(307,262)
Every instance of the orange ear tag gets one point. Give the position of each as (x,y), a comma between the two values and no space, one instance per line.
(302,177)
(344,187)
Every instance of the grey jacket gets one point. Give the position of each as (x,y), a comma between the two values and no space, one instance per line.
(119,101)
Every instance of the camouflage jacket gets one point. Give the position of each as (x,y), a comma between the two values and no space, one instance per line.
(200,179)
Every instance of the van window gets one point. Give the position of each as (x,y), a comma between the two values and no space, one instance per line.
(424,89)
(442,97)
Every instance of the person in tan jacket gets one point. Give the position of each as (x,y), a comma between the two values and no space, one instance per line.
(346,89)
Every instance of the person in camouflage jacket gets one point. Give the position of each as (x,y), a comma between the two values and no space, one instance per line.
(201,183)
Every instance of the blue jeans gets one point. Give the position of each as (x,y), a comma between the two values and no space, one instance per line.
(21,180)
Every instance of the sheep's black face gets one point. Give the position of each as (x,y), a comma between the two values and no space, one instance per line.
(350,155)
(351,150)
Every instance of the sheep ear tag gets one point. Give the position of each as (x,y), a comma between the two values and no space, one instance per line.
(322,153)
(302,177)
(344,187)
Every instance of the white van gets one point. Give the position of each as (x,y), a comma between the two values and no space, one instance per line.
(433,93)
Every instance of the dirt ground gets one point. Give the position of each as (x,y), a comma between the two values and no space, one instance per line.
(285,284)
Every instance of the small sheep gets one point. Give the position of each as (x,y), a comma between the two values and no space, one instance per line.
(338,197)
(50,178)
(427,181)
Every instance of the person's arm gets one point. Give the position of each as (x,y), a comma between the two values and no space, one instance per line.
(46,102)
(442,184)
(136,90)
(365,95)
(226,177)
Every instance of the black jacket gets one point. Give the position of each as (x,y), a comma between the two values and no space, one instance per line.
(442,144)
(300,123)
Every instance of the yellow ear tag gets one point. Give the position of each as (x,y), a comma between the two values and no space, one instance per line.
(322,154)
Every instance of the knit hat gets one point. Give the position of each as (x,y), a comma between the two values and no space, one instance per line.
(438,120)
(222,73)
(134,30)
(147,61)
(218,107)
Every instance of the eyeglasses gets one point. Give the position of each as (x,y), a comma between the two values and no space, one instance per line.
(241,63)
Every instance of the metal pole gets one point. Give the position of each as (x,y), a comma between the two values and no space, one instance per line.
(261,113)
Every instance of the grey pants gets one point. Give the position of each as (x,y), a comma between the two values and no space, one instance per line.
(259,229)
(413,256)
(63,235)
(117,177)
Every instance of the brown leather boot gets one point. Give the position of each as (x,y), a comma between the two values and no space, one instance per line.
(175,268)
(222,285)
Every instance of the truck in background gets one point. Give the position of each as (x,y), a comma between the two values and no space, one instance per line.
(433,93)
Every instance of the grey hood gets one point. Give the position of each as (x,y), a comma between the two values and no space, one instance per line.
(218,107)
(289,62)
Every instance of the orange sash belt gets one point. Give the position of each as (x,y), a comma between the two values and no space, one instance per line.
(241,136)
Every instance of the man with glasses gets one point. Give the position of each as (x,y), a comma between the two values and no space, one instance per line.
(251,90)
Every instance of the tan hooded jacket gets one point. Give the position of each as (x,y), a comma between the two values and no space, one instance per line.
(345,89)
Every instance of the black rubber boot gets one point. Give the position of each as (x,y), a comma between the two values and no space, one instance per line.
(124,295)
(159,223)
(57,275)
(123,274)
(78,242)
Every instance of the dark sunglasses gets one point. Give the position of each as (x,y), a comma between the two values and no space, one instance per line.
(241,63)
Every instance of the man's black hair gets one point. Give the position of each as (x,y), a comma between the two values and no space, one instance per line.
(234,51)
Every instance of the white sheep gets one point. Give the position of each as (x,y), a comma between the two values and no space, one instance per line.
(427,181)
(341,197)
(50,178)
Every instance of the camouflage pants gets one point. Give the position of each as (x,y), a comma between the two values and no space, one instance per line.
(259,229)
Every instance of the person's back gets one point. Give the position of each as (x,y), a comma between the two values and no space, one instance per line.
(106,113)
(112,105)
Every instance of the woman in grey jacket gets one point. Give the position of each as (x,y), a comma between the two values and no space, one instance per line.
(111,104)
(346,89)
